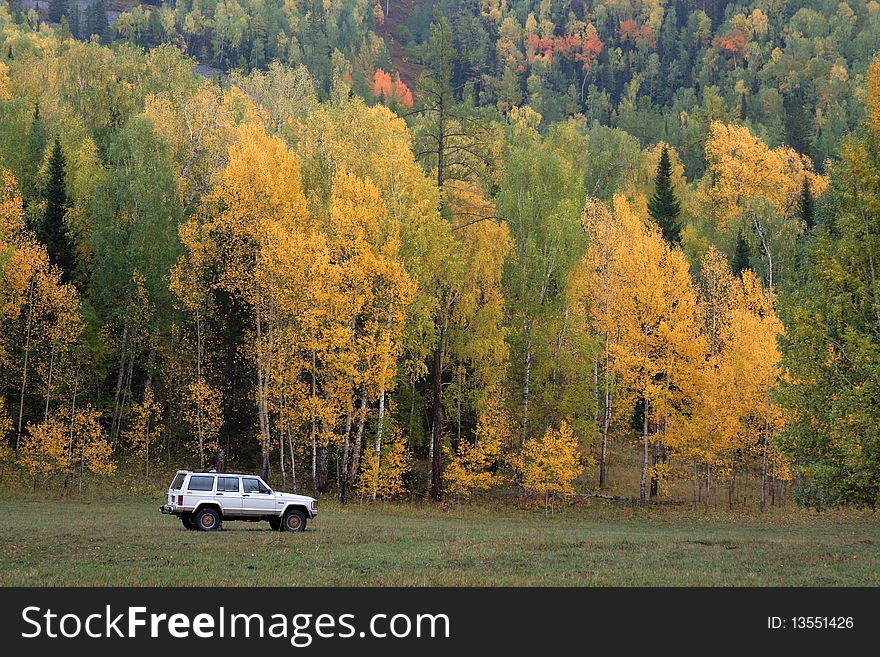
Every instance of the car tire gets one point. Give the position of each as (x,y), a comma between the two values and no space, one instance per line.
(207,520)
(188,522)
(275,524)
(294,521)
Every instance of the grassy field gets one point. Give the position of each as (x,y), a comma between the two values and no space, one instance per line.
(129,543)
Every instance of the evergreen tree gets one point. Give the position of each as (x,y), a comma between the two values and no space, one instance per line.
(51,227)
(797,129)
(741,255)
(807,206)
(36,151)
(664,207)
(57,9)
(96,20)
(75,19)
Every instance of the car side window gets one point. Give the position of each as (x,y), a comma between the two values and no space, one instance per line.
(263,488)
(251,485)
(201,483)
(227,484)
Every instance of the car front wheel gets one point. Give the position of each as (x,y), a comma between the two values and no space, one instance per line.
(208,520)
(294,521)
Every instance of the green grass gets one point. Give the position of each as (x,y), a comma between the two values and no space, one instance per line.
(128,543)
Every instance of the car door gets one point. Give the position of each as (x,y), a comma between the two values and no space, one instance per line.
(199,488)
(229,495)
(256,498)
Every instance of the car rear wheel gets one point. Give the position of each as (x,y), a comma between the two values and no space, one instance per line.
(294,521)
(188,522)
(207,520)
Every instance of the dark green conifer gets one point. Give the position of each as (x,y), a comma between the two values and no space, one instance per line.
(664,207)
(51,226)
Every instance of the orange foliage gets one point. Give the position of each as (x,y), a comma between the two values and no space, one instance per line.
(733,42)
(641,35)
(381,84)
(584,49)
(388,91)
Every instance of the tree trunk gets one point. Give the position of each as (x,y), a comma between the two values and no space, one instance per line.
(358,438)
(655,459)
(764,476)
(323,467)
(120,379)
(731,488)
(606,421)
(262,399)
(24,369)
(293,486)
(379,427)
(759,229)
(644,480)
(437,424)
(527,364)
(708,486)
(200,429)
(346,447)
(71,437)
(281,465)
(314,431)
(49,381)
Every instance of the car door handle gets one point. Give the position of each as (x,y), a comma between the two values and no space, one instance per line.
(245,495)
(219,494)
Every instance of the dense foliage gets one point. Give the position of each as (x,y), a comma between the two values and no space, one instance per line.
(442,247)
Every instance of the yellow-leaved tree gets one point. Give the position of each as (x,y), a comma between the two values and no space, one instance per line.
(145,427)
(191,284)
(265,243)
(735,416)
(550,464)
(40,326)
(5,93)
(383,475)
(641,301)
(754,189)
(473,466)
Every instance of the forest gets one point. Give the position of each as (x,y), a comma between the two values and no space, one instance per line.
(444,248)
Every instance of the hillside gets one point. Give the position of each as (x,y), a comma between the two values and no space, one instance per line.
(452,249)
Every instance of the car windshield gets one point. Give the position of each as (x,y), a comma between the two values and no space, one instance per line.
(177,484)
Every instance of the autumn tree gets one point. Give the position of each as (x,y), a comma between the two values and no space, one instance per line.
(753,187)
(473,466)
(737,416)
(264,237)
(550,464)
(647,317)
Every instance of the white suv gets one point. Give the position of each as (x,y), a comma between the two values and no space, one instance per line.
(203,500)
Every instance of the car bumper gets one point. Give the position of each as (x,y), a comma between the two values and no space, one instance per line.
(167,509)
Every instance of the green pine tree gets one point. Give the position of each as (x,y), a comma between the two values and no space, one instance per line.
(36,152)
(807,206)
(57,9)
(741,255)
(664,207)
(51,226)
